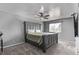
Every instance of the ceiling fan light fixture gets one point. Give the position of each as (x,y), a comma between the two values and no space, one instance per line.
(41,10)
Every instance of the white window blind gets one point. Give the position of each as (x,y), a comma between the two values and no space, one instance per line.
(55,27)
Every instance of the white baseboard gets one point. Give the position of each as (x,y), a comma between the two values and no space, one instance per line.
(13,45)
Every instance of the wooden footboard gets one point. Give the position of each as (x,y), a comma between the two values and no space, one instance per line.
(47,41)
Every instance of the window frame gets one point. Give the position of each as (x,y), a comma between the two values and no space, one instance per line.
(54,24)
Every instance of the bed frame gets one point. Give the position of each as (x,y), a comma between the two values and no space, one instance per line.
(43,46)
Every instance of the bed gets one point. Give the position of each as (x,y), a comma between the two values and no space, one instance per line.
(42,40)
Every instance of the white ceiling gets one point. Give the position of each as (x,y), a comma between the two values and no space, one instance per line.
(28,10)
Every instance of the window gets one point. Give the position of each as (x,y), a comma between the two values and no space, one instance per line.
(55,27)
(30,28)
(38,28)
(34,27)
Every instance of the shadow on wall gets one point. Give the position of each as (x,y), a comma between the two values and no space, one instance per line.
(12,29)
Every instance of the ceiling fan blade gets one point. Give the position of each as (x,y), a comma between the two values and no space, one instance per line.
(46,16)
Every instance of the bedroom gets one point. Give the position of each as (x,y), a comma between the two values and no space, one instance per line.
(13,15)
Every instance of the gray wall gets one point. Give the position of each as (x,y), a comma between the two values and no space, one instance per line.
(12,29)
(67,28)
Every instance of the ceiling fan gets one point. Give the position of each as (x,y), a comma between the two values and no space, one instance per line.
(42,15)
(53,13)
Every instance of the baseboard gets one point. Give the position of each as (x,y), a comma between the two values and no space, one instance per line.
(13,45)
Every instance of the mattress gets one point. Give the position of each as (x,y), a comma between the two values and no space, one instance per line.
(40,33)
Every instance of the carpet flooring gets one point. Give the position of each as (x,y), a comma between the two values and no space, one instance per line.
(62,48)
